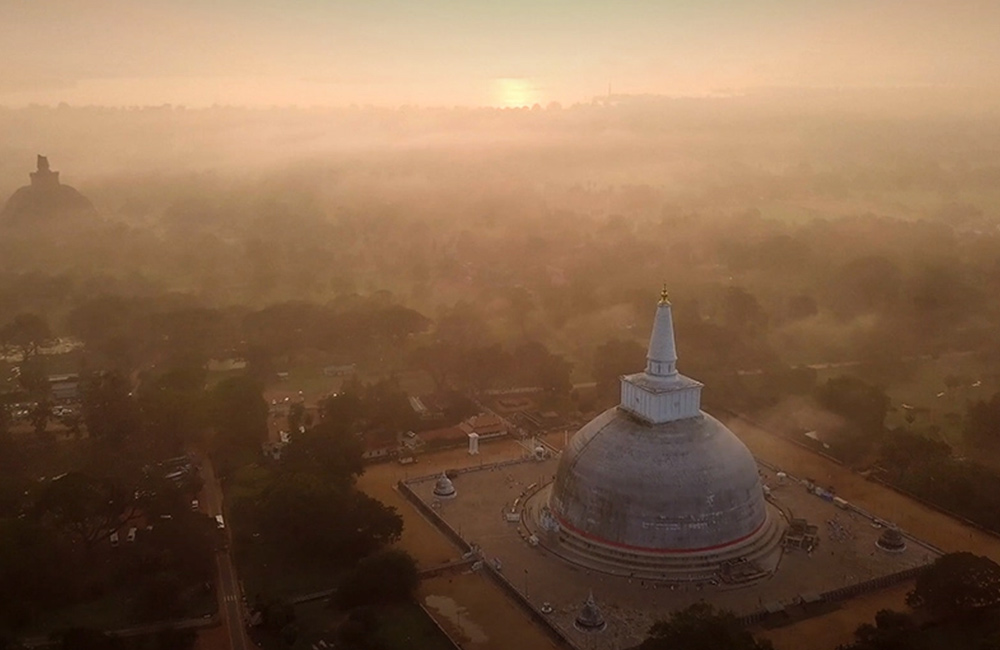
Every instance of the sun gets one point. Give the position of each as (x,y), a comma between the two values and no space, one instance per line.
(512,92)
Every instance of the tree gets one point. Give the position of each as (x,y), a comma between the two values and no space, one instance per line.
(40,415)
(520,303)
(87,508)
(801,306)
(339,413)
(982,421)
(701,627)
(109,411)
(326,451)
(393,323)
(892,631)
(260,364)
(741,312)
(321,519)
(39,569)
(905,449)
(484,366)
(238,412)
(386,406)
(25,334)
(296,416)
(613,359)
(161,595)
(866,284)
(182,546)
(276,613)
(172,407)
(861,403)
(384,578)
(359,629)
(462,326)
(109,325)
(438,360)
(534,365)
(33,377)
(957,585)
(5,421)
(188,335)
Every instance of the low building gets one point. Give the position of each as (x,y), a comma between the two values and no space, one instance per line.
(340,371)
(444,437)
(485,425)
(226,365)
(379,444)
(65,388)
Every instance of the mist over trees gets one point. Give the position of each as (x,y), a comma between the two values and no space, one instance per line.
(814,249)
(510,248)
(541,233)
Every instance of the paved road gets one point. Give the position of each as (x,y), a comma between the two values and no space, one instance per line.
(230,598)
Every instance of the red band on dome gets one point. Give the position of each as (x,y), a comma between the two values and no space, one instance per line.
(644,549)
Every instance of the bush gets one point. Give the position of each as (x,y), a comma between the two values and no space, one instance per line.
(383,578)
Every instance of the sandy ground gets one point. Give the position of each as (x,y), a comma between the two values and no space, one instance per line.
(478,615)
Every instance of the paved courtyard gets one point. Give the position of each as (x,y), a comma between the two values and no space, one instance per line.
(846,555)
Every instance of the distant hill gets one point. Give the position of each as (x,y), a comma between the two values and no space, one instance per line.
(45,199)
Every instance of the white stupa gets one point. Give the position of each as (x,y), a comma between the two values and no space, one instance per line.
(658,485)
(444,488)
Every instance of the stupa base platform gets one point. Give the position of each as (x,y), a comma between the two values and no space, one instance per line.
(743,562)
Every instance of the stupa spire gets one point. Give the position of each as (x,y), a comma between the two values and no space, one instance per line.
(661,360)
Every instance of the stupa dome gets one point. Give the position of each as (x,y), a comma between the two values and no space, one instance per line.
(44,198)
(684,485)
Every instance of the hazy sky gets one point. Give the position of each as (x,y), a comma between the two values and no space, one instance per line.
(475,52)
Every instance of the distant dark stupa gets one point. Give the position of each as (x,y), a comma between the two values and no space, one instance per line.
(46,198)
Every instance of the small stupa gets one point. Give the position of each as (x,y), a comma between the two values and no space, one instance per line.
(891,540)
(444,488)
(590,618)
